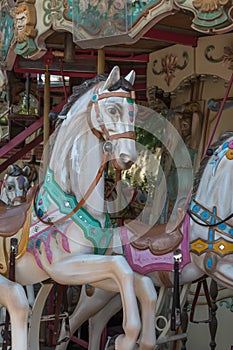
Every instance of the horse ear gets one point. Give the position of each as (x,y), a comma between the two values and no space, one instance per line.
(26,170)
(10,169)
(113,77)
(130,77)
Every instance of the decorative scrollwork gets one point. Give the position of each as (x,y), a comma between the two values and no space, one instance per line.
(206,6)
(228,303)
(209,57)
(47,6)
(51,9)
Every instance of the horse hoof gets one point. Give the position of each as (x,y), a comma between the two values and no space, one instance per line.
(110,345)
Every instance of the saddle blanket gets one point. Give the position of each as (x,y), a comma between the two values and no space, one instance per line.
(143,261)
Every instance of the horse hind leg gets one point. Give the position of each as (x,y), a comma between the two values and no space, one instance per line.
(87,307)
(100,319)
(94,269)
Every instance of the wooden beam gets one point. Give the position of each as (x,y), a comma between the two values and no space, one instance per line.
(171,37)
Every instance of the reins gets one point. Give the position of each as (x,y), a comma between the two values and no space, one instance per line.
(209,303)
(209,225)
(118,177)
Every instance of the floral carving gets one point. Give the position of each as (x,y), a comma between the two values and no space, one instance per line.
(169,66)
(228,56)
(209,5)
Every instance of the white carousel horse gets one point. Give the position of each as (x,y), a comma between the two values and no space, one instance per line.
(207,245)
(69,239)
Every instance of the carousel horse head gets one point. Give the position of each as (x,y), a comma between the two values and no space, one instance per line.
(99,118)
(113,116)
(15,184)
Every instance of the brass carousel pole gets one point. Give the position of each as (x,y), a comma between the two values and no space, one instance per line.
(46,116)
(101,61)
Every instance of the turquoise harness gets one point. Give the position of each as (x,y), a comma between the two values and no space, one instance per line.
(99,236)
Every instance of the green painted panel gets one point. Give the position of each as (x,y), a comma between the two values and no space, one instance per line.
(6,30)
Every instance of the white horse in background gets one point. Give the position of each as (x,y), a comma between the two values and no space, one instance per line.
(70,239)
(15,184)
(13,192)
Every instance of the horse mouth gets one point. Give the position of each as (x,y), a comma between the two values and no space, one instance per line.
(123,164)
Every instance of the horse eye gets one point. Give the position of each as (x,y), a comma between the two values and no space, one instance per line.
(10,187)
(112,111)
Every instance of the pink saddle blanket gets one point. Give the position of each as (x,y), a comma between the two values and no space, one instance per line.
(143,261)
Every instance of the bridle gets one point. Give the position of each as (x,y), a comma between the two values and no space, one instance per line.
(104,136)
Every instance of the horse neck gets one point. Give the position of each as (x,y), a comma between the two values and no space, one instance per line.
(75,161)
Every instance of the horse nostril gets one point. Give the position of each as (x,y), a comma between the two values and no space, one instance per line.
(125,158)
(126,161)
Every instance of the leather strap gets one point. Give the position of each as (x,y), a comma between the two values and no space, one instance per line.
(206,291)
(164,278)
(118,177)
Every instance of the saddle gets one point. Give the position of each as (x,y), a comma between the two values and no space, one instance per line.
(14,221)
(155,238)
(12,218)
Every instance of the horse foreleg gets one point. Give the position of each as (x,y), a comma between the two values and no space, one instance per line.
(13,297)
(91,269)
(147,297)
